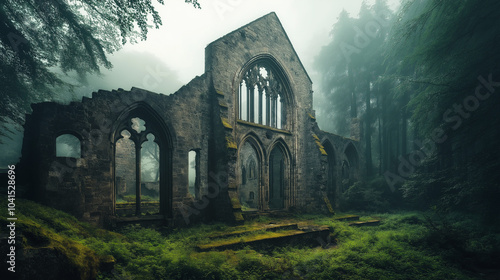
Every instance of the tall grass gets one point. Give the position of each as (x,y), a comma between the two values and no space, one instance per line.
(397,249)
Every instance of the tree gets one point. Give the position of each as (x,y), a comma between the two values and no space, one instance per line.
(38,36)
(456,65)
(352,63)
(337,82)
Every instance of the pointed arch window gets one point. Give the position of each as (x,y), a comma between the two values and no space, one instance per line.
(137,170)
(261,97)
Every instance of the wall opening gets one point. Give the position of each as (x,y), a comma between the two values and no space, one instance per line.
(140,179)
(125,175)
(249,177)
(150,176)
(68,145)
(261,97)
(194,174)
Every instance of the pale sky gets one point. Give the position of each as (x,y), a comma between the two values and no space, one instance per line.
(175,53)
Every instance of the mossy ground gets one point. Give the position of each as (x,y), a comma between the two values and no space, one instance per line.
(397,249)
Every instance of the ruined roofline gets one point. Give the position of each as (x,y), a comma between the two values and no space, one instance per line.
(180,90)
(271,14)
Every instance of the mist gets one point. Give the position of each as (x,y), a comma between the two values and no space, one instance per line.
(174,54)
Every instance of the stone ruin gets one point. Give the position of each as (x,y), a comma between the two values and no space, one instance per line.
(240,139)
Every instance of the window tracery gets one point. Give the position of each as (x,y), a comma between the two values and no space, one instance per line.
(261,97)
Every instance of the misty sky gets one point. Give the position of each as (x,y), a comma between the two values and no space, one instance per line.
(174,53)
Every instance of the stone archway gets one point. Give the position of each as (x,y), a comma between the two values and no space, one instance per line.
(250,174)
(279,176)
(142,169)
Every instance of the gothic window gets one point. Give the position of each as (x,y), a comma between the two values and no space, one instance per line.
(68,145)
(137,171)
(261,97)
(193,174)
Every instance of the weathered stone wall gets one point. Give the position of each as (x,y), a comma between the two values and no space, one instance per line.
(85,186)
(263,39)
(201,116)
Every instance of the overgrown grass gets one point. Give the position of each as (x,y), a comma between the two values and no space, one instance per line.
(397,249)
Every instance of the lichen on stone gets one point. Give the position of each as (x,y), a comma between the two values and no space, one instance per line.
(226,123)
(320,147)
(219,92)
(230,144)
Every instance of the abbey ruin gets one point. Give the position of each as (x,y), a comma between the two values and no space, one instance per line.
(241,138)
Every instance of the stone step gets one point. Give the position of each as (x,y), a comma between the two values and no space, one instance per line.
(269,238)
(365,223)
(347,218)
(270,227)
(279,214)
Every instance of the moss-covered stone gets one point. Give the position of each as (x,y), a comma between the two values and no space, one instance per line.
(230,144)
(226,123)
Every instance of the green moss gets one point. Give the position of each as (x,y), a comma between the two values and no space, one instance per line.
(79,257)
(397,249)
(230,144)
(235,202)
(318,143)
(219,92)
(226,123)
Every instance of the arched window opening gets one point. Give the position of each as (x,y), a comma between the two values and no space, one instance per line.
(249,183)
(353,159)
(138,125)
(243,101)
(261,97)
(137,170)
(125,175)
(345,169)
(350,167)
(193,174)
(68,145)
(150,176)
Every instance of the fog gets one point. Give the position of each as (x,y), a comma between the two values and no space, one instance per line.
(174,54)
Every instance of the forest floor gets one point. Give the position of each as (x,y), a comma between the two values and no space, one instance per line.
(402,246)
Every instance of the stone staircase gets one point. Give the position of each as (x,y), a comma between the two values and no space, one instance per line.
(270,235)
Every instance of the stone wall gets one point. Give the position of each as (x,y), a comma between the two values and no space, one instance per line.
(202,116)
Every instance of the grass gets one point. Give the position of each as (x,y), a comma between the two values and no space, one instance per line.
(397,249)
